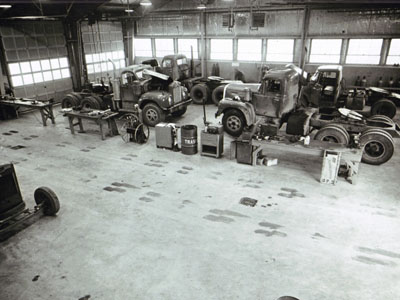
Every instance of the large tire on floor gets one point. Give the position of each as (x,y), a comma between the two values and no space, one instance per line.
(384,107)
(333,133)
(378,146)
(199,93)
(179,113)
(233,122)
(218,94)
(46,196)
(152,114)
(90,103)
(69,101)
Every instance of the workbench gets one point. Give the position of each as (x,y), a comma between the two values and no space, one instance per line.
(45,107)
(349,157)
(100,119)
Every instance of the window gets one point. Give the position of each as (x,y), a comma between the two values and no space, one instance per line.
(100,62)
(167,63)
(394,52)
(142,47)
(280,50)
(37,71)
(185,45)
(274,86)
(221,49)
(364,51)
(164,47)
(249,49)
(325,51)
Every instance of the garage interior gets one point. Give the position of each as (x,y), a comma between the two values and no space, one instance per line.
(139,221)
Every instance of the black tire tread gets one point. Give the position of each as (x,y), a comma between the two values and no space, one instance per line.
(52,204)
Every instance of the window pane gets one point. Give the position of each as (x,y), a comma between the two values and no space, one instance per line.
(63,62)
(221,49)
(164,47)
(47,76)
(96,57)
(325,50)
(28,79)
(109,55)
(35,65)
(184,47)
(394,52)
(122,63)
(115,55)
(17,80)
(142,47)
(89,58)
(103,66)
(117,65)
(280,50)
(97,68)
(14,69)
(90,69)
(56,74)
(65,73)
(25,67)
(110,66)
(249,49)
(45,64)
(103,56)
(364,51)
(54,63)
(38,77)
(121,54)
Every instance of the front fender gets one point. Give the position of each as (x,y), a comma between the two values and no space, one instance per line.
(246,108)
(161,98)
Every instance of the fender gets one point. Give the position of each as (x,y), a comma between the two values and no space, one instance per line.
(246,108)
(161,98)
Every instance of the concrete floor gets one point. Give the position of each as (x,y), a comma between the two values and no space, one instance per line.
(172,226)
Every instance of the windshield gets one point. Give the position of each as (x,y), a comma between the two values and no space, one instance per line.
(181,61)
(314,77)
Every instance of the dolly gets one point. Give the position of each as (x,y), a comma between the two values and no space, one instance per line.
(14,215)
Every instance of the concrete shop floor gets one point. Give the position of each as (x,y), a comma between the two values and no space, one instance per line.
(170,226)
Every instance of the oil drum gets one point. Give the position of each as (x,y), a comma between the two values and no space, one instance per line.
(189,139)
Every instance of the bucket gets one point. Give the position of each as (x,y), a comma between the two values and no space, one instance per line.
(189,139)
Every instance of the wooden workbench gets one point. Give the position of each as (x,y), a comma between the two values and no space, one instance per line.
(99,119)
(45,107)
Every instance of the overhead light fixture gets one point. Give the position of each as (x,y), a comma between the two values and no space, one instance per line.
(129,10)
(5,6)
(201,6)
(145,3)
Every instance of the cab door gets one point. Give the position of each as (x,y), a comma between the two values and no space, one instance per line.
(167,66)
(130,87)
(267,101)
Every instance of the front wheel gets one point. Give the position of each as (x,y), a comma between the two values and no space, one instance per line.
(152,114)
(179,113)
(378,146)
(233,122)
(45,196)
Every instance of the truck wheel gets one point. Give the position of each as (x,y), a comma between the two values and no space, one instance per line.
(233,122)
(179,113)
(218,94)
(90,103)
(69,101)
(384,107)
(152,114)
(382,118)
(199,93)
(378,146)
(49,199)
(99,100)
(333,133)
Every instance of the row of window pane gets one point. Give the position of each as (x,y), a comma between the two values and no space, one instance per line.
(142,47)
(100,62)
(104,56)
(105,66)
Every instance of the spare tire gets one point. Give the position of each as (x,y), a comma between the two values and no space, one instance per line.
(90,103)
(199,93)
(218,94)
(384,107)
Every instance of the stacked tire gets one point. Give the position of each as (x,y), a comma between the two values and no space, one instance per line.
(71,100)
(92,102)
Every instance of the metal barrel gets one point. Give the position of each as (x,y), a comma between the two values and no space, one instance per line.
(189,139)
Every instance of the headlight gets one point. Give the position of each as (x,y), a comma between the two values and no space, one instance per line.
(170,100)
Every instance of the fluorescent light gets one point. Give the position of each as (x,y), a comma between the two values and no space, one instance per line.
(145,3)
(5,6)
(129,10)
(201,6)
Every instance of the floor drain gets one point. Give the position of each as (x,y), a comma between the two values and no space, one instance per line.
(248,201)
(17,147)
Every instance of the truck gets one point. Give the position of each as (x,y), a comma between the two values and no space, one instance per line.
(157,95)
(268,105)
(326,89)
(201,89)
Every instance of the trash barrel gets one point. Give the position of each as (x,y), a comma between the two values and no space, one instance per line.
(189,139)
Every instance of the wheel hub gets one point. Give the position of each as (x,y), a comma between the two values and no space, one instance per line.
(374,149)
(151,114)
(234,123)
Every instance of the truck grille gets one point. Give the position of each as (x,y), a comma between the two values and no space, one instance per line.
(177,94)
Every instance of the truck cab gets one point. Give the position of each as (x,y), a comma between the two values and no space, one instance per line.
(175,66)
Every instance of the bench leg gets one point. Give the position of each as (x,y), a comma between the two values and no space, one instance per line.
(112,125)
(103,136)
(44,118)
(71,124)
(80,125)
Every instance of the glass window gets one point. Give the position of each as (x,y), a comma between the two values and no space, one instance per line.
(97,68)
(110,66)
(63,62)
(35,65)
(325,51)
(222,49)
(364,51)
(103,66)
(121,54)
(164,47)
(142,47)
(14,69)
(185,46)
(249,49)
(38,77)
(17,80)
(394,52)
(90,69)
(115,55)
(54,63)
(57,74)
(89,58)
(47,76)
(28,78)
(280,50)
(109,55)
(103,56)
(45,64)
(122,63)
(25,67)
(65,73)
(96,57)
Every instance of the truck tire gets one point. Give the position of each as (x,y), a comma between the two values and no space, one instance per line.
(233,122)
(179,113)
(69,101)
(384,107)
(90,103)
(218,94)
(378,146)
(333,133)
(49,199)
(382,118)
(99,100)
(199,93)
(152,114)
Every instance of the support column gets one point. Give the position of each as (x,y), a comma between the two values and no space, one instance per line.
(127,34)
(71,33)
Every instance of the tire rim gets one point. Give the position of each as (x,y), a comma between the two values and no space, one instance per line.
(234,123)
(374,149)
(151,115)
(199,94)
(330,139)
